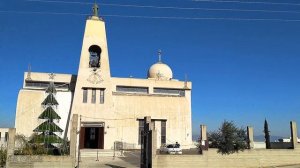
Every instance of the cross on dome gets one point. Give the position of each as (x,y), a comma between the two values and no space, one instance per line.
(159,55)
(160,70)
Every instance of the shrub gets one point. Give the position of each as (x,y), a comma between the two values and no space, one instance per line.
(3,155)
(228,138)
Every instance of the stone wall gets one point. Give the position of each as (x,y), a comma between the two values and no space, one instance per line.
(15,161)
(248,158)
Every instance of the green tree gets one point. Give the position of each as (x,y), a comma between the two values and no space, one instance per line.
(228,138)
(46,132)
(267,135)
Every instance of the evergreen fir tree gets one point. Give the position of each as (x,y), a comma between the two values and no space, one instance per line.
(267,135)
(47,130)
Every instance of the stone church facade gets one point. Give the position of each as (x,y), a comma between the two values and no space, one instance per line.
(110,108)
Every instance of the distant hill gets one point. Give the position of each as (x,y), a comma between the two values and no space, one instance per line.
(261,138)
(258,138)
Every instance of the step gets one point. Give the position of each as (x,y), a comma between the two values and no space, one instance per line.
(92,153)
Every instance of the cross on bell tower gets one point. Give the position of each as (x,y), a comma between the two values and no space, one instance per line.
(95,9)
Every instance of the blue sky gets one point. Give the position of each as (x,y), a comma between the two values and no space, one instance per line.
(242,70)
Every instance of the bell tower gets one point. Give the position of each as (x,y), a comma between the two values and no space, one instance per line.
(93,95)
(94,61)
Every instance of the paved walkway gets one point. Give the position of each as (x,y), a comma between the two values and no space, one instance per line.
(130,160)
(288,166)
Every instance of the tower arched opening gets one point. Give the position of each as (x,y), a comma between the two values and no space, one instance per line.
(95,55)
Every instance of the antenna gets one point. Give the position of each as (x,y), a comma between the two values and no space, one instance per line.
(29,72)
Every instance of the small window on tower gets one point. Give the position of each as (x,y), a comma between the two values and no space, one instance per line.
(93,95)
(95,55)
(101,96)
(85,95)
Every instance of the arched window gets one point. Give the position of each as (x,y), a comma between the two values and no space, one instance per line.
(95,55)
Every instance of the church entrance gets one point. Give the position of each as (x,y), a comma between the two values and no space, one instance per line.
(92,136)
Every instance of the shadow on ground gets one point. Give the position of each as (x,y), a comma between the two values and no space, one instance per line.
(114,166)
(132,157)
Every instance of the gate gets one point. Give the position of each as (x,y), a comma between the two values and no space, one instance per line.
(146,144)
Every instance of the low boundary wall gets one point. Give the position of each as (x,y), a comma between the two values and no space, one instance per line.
(39,161)
(248,158)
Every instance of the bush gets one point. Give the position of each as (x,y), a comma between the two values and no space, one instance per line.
(228,139)
(28,146)
(3,155)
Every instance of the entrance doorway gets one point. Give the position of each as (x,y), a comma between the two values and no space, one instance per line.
(92,137)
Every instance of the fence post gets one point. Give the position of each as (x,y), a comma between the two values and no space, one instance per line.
(294,136)
(154,143)
(10,144)
(203,138)
(250,137)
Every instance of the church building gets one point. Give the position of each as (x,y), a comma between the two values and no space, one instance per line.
(111,109)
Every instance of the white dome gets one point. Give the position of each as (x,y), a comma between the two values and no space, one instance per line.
(160,71)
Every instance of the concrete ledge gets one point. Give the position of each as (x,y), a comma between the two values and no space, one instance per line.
(248,158)
(37,161)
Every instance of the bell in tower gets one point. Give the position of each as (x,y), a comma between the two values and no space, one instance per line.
(95,55)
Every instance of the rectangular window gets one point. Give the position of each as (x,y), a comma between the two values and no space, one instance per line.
(131,89)
(46,84)
(141,128)
(93,95)
(179,92)
(101,96)
(163,132)
(85,95)
(6,136)
(0,136)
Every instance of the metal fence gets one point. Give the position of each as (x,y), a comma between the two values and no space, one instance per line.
(119,145)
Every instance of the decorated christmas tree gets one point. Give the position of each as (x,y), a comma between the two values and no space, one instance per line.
(46,132)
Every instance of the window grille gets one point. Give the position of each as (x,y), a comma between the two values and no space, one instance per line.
(163,132)
(130,89)
(169,91)
(101,96)
(93,95)
(39,84)
(85,95)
